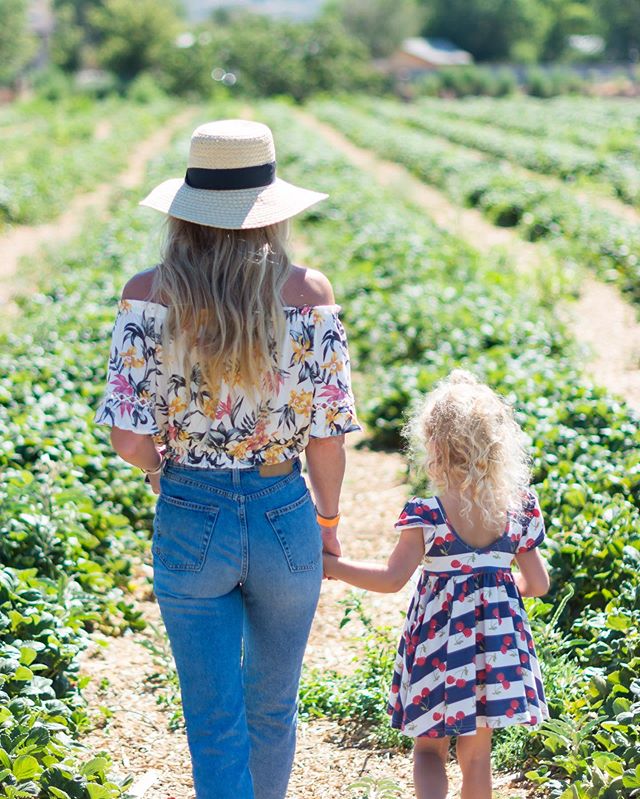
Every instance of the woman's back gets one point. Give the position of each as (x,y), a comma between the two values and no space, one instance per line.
(307,395)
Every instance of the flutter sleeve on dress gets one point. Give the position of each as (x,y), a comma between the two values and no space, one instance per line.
(533,532)
(129,398)
(333,411)
(415,514)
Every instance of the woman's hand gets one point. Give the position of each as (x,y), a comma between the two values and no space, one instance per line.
(154,482)
(330,540)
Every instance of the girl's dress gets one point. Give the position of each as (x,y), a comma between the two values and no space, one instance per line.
(466,658)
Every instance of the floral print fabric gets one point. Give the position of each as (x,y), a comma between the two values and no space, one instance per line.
(310,395)
(466,658)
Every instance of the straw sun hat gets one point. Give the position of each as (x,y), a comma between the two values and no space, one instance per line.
(231,180)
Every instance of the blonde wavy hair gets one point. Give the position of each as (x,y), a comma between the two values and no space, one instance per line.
(471,444)
(222,289)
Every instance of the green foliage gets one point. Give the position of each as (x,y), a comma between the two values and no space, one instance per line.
(273,57)
(620,22)
(580,231)
(566,19)
(487,28)
(381,24)
(468,80)
(358,699)
(552,82)
(369,788)
(17,45)
(133,37)
(536,30)
(52,84)
(51,142)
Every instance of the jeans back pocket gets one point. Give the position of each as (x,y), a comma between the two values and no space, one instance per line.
(297,529)
(182,531)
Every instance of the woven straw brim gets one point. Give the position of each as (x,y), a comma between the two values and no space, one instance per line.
(233,210)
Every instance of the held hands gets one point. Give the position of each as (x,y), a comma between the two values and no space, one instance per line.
(330,540)
(328,564)
(330,545)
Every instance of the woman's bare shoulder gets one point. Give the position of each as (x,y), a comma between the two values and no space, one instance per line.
(307,287)
(139,286)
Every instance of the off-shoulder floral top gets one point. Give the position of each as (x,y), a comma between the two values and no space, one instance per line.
(311,394)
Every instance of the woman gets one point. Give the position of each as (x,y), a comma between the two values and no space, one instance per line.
(227,362)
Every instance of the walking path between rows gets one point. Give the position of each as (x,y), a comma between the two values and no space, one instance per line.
(26,240)
(600,318)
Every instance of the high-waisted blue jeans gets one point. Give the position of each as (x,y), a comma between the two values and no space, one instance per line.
(237,573)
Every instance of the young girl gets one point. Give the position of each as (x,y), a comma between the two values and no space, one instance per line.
(466,662)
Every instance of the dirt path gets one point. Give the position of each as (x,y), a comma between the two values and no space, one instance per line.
(609,327)
(26,240)
(600,318)
(132,727)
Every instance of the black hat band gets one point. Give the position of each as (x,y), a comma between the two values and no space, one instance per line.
(249,177)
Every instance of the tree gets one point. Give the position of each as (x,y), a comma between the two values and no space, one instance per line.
(621,27)
(134,36)
(269,56)
(17,45)
(380,24)
(489,29)
(67,40)
(566,19)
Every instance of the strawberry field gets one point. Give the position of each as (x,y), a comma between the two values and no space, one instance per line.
(417,302)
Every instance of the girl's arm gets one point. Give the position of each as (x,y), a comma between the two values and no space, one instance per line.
(402,563)
(532,579)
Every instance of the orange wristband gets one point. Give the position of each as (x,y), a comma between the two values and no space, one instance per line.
(325,521)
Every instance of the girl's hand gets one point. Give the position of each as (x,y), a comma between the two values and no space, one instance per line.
(402,563)
(328,565)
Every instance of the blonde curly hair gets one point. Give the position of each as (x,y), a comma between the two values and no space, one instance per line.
(470,443)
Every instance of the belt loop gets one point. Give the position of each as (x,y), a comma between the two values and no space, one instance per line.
(235,478)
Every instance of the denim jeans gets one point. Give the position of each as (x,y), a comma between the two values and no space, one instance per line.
(237,573)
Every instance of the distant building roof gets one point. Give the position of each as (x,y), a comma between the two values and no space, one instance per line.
(438,52)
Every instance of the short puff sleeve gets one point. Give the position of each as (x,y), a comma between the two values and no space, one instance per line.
(532,523)
(416,514)
(129,398)
(333,412)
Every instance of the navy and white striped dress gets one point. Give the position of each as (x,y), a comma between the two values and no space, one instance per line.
(466,658)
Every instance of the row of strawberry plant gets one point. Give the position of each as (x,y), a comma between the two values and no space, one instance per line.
(563,159)
(72,514)
(595,124)
(70,146)
(419,302)
(579,229)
